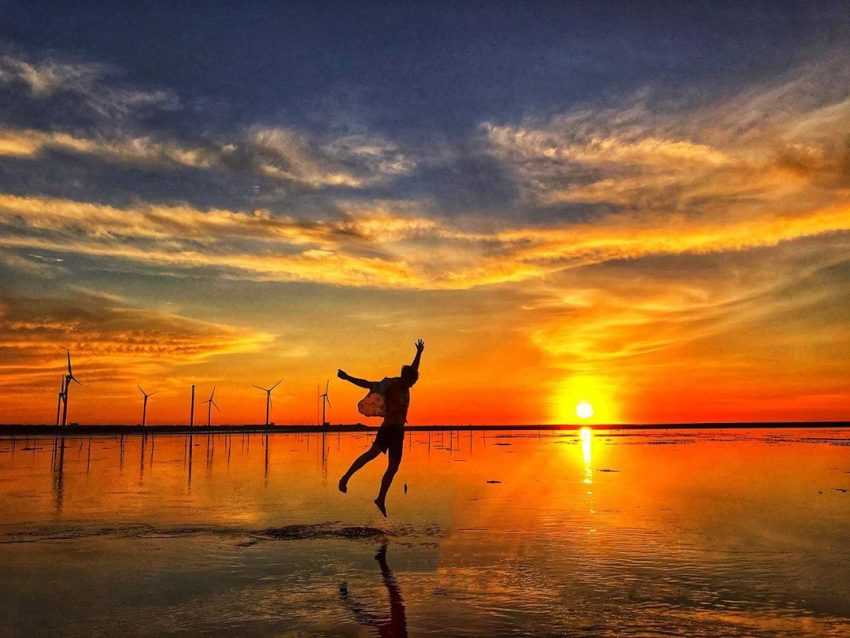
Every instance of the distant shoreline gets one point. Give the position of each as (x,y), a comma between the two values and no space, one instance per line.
(71,430)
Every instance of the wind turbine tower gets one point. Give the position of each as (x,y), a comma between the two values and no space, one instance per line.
(210,404)
(268,392)
(145,405)
(61,399)
(326,401)
(69,376)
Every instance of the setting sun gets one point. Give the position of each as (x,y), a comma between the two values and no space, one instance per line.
(590,398)
(584,410)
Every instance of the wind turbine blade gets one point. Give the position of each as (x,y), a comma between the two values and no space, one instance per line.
(153,393)
(69,363)
(275,385)
(259,388)
(328,399)
(76,380)
(141,389)
(327,383)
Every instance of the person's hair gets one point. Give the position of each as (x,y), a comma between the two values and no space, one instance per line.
(409,374)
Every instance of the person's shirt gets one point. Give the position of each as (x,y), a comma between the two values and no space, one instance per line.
(396,395)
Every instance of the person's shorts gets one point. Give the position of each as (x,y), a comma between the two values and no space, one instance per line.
(390,437)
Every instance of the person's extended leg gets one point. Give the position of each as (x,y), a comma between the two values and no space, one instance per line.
(393,463)
(359,462)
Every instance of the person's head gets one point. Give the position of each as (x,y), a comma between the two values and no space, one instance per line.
(409,375)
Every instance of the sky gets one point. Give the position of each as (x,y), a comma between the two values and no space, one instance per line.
(641,206)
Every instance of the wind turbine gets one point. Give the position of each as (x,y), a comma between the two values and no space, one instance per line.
(69,376)
(268,392)
(210,403)
(325,401)
(145,404)
(61,398)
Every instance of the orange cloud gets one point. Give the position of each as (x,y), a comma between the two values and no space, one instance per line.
(112,341)
(288,249)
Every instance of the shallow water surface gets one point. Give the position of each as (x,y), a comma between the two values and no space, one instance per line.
(724,532)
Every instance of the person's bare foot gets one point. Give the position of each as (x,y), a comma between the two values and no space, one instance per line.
(381,506)
(343,485)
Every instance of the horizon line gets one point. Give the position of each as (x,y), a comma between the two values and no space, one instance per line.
(20,428)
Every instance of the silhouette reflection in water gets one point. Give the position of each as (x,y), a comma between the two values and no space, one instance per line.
(396,624)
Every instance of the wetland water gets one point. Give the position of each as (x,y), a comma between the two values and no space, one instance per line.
(720,532)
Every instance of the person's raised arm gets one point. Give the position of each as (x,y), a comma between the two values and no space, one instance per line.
(420,346)
(363,383)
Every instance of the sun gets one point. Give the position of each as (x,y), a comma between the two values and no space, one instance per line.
(584,410)
(587,399)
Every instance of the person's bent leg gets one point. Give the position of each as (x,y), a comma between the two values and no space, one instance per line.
(393,463)
(359,462)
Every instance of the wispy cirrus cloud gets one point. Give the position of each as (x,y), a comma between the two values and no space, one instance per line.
(133,150)
(779,144)
(621,309)
(352,160)
(282,155)
(44,78)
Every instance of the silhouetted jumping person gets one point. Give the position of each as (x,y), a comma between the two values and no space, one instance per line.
(389,398)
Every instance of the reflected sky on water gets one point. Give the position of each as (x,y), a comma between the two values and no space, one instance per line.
(584,533)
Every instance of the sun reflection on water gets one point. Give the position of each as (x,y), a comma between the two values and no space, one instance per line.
(586,437)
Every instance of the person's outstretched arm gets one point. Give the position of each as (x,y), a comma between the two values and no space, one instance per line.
(363,383)
(420,346)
